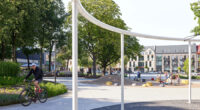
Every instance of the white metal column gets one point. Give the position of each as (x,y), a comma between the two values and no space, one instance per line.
(189,85)
(122,71)
(74,55)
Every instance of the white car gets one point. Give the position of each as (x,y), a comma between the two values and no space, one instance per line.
(194,74)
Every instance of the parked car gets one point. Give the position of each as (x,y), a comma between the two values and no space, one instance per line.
(194,74)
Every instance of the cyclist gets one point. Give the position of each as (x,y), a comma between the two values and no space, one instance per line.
(38,76)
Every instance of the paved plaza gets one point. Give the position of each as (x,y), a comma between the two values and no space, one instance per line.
(95,96)
(156,105)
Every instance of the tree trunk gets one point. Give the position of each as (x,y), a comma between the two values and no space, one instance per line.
(41,56)
(28,61)
(110,73)
(50,54)
(14,47)
(2,50)
(50,61)
(94,65)
(104,71)
(67,64)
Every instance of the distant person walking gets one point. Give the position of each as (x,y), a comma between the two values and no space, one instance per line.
(138,74)
(166,76)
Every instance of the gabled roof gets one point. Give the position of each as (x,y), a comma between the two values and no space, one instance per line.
(172,49)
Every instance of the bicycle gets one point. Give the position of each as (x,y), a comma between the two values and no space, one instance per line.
(29,94)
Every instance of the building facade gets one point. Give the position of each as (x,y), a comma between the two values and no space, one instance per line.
(165,58)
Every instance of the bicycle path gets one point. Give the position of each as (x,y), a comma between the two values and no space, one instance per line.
(94,96)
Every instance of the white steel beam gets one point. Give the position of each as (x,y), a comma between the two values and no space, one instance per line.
(74,55)
(189,78)
(95,21)
(122,72)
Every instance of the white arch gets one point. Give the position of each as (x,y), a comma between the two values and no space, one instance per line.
(92,19)
(77,7)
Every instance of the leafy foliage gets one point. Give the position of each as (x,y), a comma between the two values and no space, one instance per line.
(9,69)
(10,81)
(195,8)
(186,66)
(102,45)
(54,89)
(29,24)
(11,95)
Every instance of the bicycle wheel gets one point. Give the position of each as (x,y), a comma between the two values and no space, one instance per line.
(42,97)
(25,98)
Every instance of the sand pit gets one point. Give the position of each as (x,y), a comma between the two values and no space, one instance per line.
(112,78)
(128,82)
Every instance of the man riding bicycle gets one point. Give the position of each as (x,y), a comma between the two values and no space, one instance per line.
(38,76)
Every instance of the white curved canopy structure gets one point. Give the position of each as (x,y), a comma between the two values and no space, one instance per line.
(92,19)
(78,8)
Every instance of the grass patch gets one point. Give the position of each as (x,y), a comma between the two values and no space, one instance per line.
(7,99)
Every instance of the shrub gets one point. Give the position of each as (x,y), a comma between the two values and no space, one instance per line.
(10,95)
(54,89)
(185,77)
(62,74)
(9,81)
(9,69)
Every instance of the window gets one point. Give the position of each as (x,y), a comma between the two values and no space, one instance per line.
(147,57)
(141,63)
(152,57)
(146,64)
(141,58)
(159,62)
(149,52)
(150,64)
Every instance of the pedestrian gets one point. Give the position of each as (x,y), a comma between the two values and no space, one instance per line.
(166,76)
(138,74)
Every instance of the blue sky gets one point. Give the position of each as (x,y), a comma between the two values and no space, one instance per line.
(172,18)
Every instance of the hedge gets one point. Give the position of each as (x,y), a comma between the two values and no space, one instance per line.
(186,77)
(54,89)
(10,96)
(9,69)
(10,81)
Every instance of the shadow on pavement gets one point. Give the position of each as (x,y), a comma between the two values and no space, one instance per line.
(160,105)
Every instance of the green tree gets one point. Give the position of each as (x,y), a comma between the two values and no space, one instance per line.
(12,18)
(64,55)
(179,69)
(85,62)
(17,22)
(55,20)
(49,23)
(27,51)
(132,47)
(186,66)
(102,46)
(195,8)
